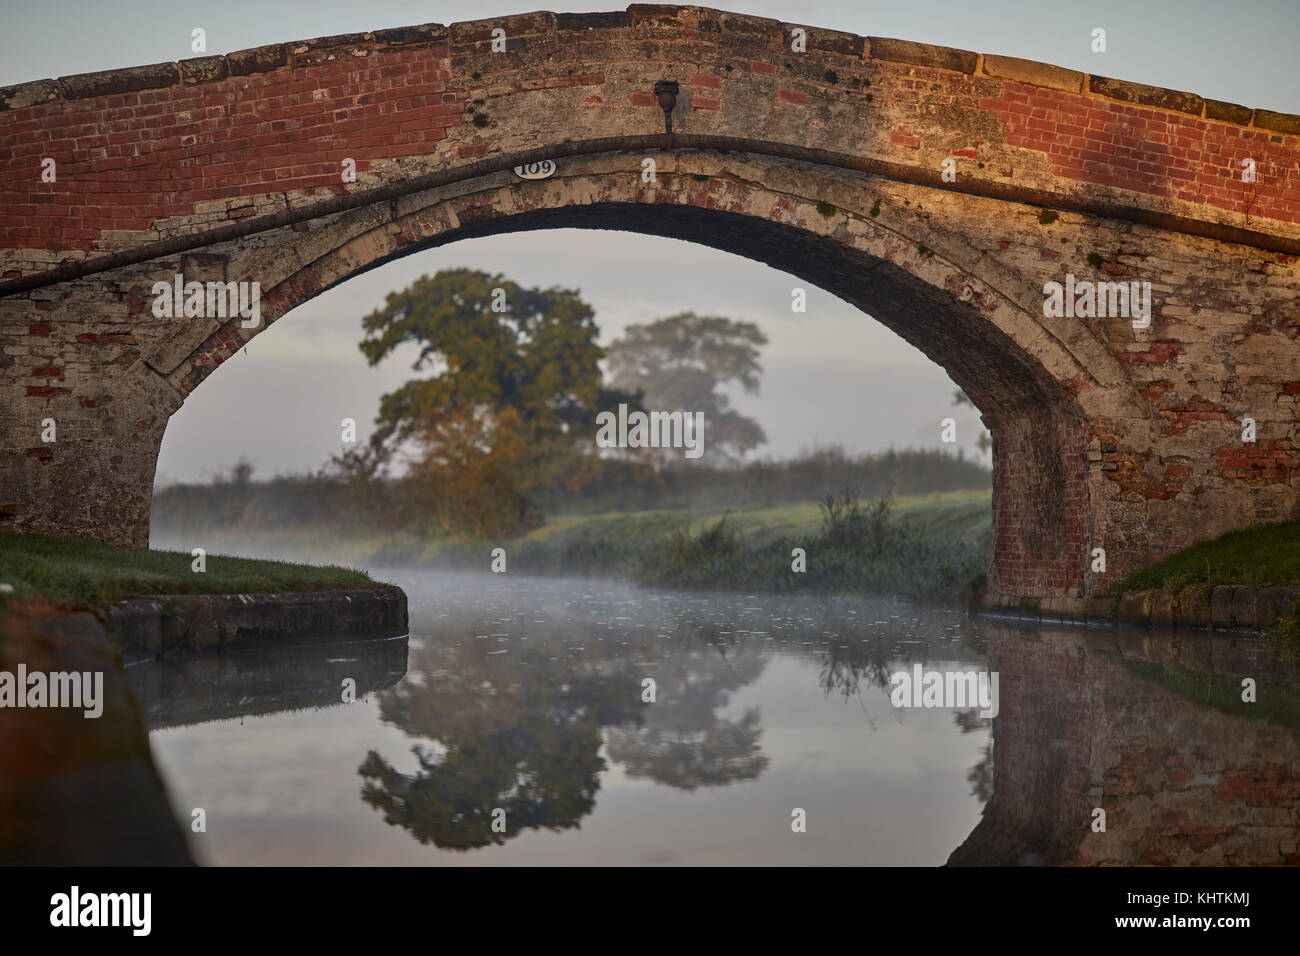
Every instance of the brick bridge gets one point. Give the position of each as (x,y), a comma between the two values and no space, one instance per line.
(820,153)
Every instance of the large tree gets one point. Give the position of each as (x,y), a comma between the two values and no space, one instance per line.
(682,362)
(515,382)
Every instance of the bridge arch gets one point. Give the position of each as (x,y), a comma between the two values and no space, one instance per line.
(825,164)
(1035,391)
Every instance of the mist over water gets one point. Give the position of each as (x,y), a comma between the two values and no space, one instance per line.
(526,694)
(513,726)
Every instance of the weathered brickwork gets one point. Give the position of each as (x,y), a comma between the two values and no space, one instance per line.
(1105,435)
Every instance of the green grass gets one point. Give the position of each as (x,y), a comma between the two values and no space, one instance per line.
(70,571)
(620,543)
(1264,556)
(1277,703)
(929,547)
(960,516)
(613,544)
(930,552)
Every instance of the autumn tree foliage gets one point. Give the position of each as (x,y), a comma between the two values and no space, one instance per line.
(510,397)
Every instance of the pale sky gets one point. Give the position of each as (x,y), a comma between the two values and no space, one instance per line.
(831,376)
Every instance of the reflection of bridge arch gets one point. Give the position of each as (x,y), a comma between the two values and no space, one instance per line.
(1183,780)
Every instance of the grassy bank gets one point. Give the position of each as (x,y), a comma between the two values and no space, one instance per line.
(87,572)
(1261,557)
(856,548)
(926,547)
(919,537)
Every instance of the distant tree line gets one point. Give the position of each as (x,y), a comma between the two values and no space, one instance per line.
(336,498)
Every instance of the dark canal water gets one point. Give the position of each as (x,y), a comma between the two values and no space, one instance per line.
(512,728)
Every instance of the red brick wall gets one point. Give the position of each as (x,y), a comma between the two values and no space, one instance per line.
(1041,532)
(1153,151)
(136,145)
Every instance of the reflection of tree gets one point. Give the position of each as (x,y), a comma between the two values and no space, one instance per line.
(980,776)
(682,742)
(522,730)
(543,776)
(844,668)
(722,754)
(521,735)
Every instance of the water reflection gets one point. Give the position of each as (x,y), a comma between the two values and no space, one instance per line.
(261,680)
(529,697)
(517,732)
(511,709)
(1149,727)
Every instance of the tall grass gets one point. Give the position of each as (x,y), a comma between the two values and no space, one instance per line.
(857,549)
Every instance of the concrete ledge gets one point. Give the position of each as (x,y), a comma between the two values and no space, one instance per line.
(1195,607)
(204,69)
(258,59)
(1228,112)
(149,627)
(242,682)
(28,94)
(429,33)
(616,20)
(155,76)
(764,29)
(826,41)
(1278,122)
